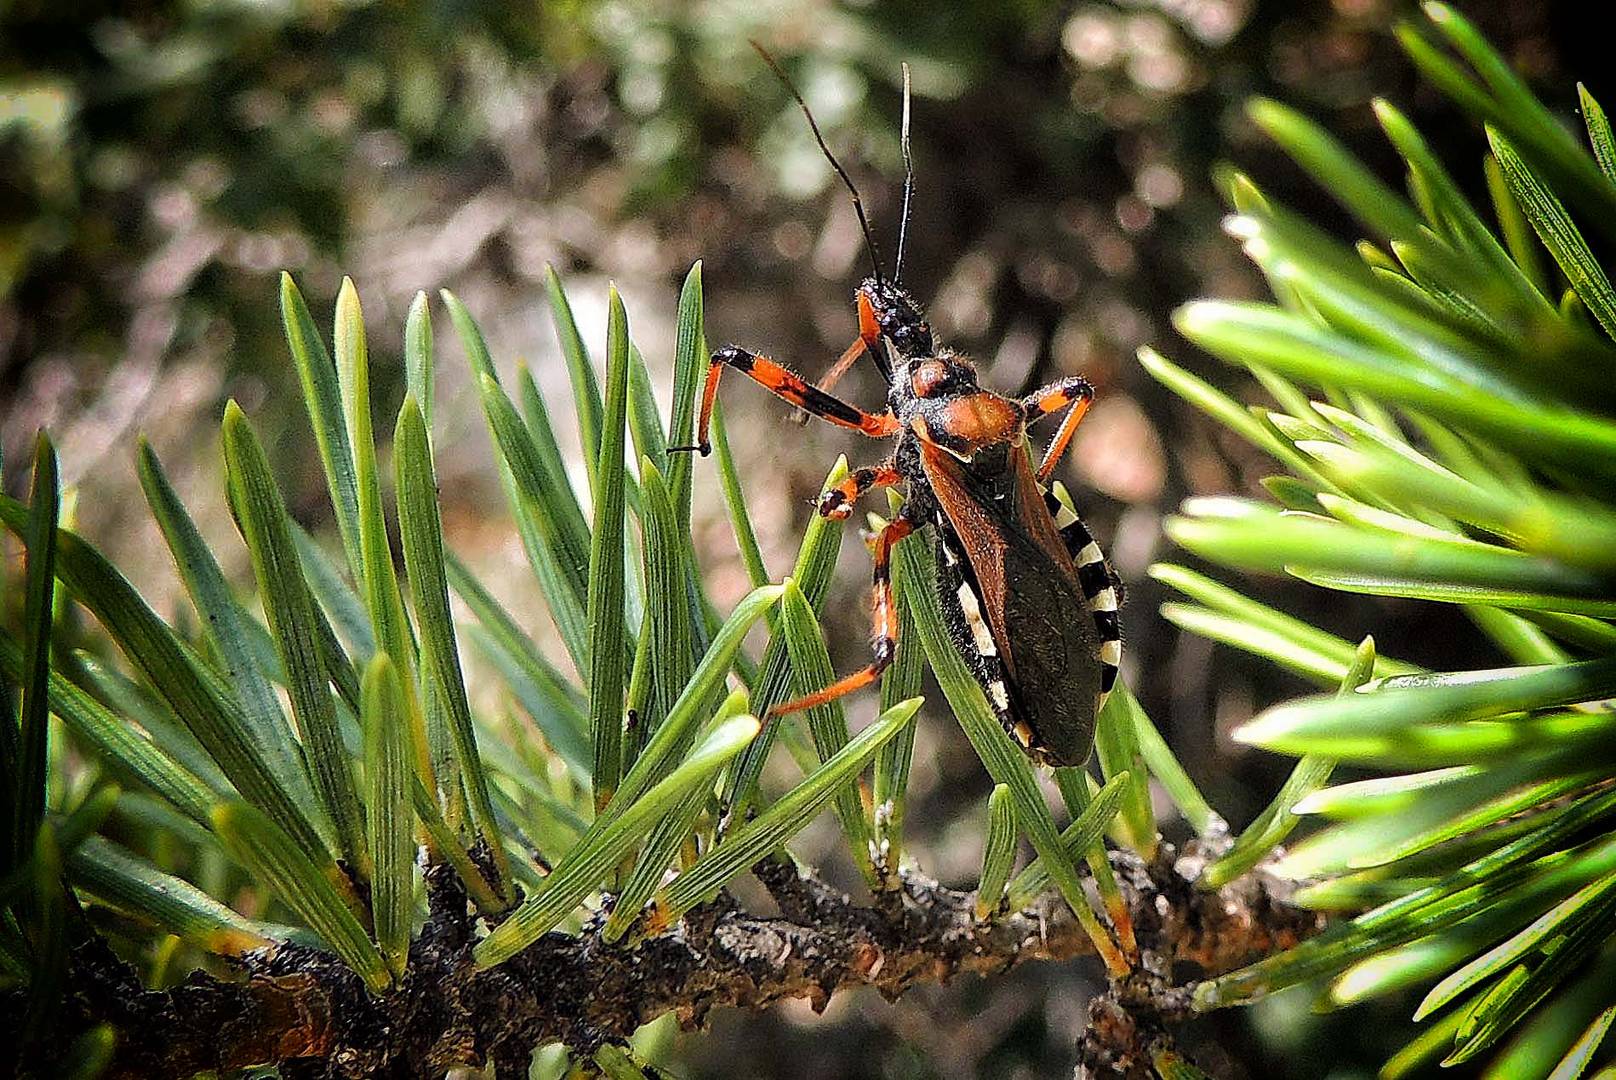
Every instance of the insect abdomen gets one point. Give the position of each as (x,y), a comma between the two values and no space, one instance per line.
(1102,592)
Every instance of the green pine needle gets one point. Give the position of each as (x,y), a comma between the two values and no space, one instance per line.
(1446,429)
(266,527)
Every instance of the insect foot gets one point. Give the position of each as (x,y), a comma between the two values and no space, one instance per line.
(834,504)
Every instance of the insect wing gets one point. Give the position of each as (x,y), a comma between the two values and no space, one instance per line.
(1030,594)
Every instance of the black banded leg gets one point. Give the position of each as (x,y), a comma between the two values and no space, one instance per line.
(1074,392)
(789,386)
(868,341)
(837,502)
(829,380)
(884,640)
(848,358)
(1102,590)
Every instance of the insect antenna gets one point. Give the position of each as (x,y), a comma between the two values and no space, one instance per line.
(908,180)
(858,203)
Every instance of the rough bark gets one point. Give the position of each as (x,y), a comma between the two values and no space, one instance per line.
(305,1011)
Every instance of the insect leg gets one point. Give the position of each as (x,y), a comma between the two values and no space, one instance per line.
(1074,392)
(837,503)
(868,341)
(884,639)
(848,358)
(789,386)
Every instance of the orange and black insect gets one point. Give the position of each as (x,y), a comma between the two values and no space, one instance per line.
(1030,601)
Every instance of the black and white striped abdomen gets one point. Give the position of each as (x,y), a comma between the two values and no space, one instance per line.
(1101,590)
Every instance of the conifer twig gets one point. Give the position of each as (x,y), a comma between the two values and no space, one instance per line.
(308,1013)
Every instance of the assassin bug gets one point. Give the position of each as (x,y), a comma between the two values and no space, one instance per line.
(1030,601)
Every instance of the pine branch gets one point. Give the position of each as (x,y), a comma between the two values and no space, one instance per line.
(308,1013)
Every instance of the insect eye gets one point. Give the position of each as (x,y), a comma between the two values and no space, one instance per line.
(929,379)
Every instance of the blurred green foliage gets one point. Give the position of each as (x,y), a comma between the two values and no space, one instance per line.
(178,152)
(157,161)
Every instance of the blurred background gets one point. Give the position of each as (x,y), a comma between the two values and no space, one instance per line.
(161,161)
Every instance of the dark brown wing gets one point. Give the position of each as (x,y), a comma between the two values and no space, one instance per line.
(1031,598)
